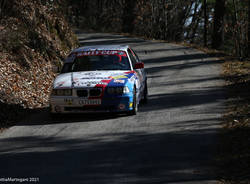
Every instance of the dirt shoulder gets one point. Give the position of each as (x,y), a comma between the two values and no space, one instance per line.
(34,37)
(234,146)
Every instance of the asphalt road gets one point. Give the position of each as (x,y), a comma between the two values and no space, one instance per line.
(171,140)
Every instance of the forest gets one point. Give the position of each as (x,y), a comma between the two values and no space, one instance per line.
(36,34)
(218,24)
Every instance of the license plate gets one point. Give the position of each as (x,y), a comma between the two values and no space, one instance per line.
(90,102)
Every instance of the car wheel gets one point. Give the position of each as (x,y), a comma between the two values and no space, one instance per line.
(135,105)
(145,94)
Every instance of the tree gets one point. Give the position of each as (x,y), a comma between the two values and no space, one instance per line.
(128,16)
(195,16)
(248,28)
(218,31)
(3,7)
(205,22)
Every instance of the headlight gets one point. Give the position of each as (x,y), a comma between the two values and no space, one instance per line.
(62,92)
(118,90)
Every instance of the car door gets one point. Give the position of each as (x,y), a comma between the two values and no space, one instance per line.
(142,70)
(139,72)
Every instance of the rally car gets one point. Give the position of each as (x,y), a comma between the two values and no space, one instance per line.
(108,78)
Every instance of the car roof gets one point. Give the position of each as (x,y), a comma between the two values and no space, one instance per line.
(70,59)
(101,47)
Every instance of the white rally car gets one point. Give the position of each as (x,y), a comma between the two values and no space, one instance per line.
(108,78)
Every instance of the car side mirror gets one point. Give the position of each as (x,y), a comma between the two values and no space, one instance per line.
(139,65)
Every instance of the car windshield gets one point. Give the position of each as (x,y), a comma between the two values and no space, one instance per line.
(92,61)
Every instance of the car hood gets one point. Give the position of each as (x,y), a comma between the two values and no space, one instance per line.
(92,79)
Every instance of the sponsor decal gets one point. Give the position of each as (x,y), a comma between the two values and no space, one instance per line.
(131,104)
(59,84)
(91,73)
(101,52)
(94,82)
(94,78)
(119,81)
(89,83)
(106,81)
(119,77)
(130,72)
(132,79)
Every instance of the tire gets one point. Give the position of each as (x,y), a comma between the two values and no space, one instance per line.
(135,105)
(145,94)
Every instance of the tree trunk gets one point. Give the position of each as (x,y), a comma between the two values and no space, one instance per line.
(2,7)
(128,16)
(248,28)
(194,18)
(205,23)
(237,31)
(218,31)
(196,24)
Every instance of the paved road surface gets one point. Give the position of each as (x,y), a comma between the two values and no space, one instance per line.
(171,140)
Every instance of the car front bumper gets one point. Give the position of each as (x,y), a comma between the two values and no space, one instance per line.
(65,105)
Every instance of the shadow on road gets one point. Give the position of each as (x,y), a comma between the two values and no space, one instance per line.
(183,66)
(115,41)
(43,117)
(183,81)
(10,114)
(195,56)
(110,158)
(183,99)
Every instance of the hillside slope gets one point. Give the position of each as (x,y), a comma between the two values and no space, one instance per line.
(34,36)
